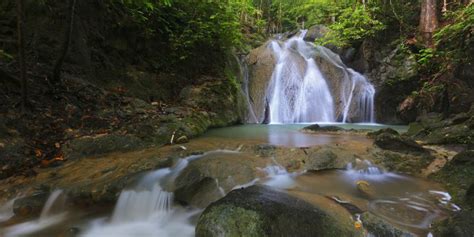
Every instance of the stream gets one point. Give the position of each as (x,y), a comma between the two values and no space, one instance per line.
(148,207)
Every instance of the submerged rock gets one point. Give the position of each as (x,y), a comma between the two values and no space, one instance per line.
(379,227)
(262,211)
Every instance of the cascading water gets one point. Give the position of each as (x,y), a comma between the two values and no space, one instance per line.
(52,214)
(299,92)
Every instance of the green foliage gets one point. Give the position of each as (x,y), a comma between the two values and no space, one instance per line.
(352,25)
(455,42)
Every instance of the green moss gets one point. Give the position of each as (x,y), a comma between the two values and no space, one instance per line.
(228,220)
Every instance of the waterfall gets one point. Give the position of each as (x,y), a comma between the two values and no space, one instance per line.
(299,92)
(53,213)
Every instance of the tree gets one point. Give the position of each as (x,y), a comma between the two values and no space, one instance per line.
(428,21)
(21,52)
(66,42)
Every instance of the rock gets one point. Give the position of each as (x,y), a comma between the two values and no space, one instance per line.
(182,139)
(261,63)
(264,150)
(317,128)
(458,176)
(30,205)
(200,182)
(407,109)
(409,163)
(315,32)
(397,143)
(262,211)
(379,227)
(390,131)
(221,98)
(326,158)
(365,188)
(100,144)
(459,225)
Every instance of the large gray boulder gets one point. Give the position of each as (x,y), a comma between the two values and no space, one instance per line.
(262,211)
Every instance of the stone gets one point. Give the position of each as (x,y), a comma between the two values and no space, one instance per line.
(381,131)
(379,227)
(200,182)
(261,63)
(397,143)
(263,211)
(318,128)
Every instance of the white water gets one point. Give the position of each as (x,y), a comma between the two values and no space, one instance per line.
(52,214)
(148,210)
(299,93)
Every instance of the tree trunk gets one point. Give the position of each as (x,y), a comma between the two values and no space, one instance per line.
(67,41)
(21,53)
(428,21)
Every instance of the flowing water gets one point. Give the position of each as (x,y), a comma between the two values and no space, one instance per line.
(300,93)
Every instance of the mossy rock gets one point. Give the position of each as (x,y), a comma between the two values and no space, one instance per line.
(408,163)
(457,175)
(390,131)
(459,225)
(397,143)
(263,211)
(379,227)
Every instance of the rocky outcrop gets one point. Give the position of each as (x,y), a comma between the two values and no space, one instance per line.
(434,129)
(262,211)
(261,63)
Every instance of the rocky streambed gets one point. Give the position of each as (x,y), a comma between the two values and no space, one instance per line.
(256,180)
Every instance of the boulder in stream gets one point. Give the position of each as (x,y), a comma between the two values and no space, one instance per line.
(263,211)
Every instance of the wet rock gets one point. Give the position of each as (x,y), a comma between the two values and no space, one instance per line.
(199,183)
(365,188)
(101,144)
(264,150)
(408,163)
(30,205)
(459,225)
(457,175)
(262,211)
(261,63)
(379,227)
(326,158)
(317,128)
(397,143)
